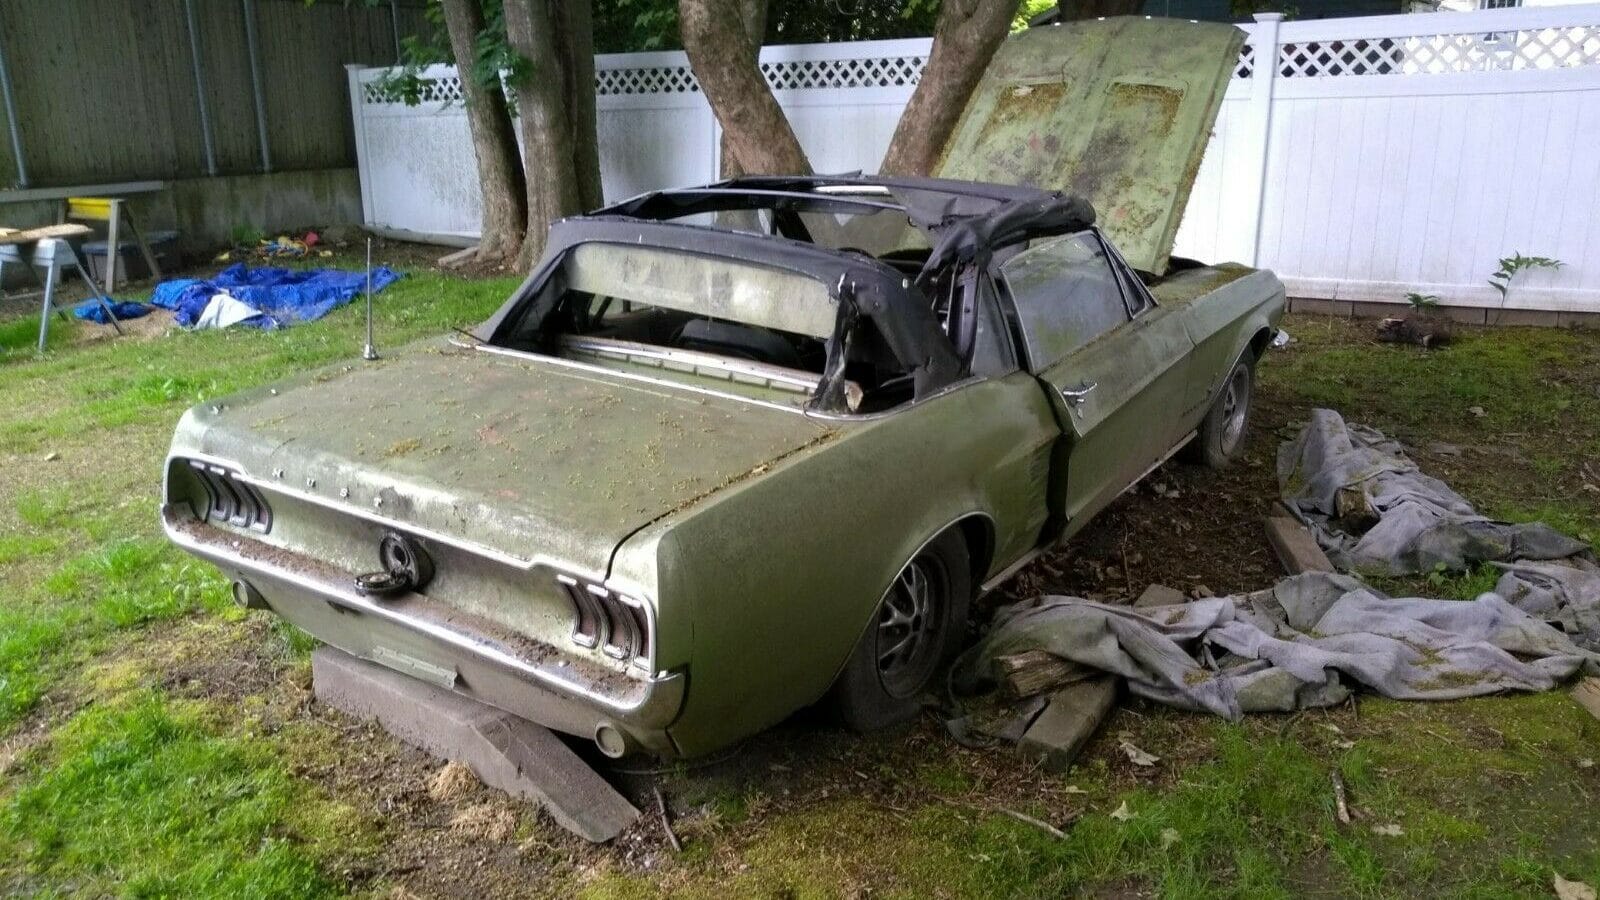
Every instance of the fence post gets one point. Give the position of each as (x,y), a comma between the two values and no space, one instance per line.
(358,123)
(1263,75)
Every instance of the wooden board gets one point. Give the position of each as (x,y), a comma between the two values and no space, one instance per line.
(1059,733)
(1587,693)
(32,235)
(1296,548)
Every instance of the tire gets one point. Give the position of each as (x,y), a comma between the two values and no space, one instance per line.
(1226,427)
(880,686)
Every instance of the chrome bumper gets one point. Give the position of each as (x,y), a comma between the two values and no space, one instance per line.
(427,640)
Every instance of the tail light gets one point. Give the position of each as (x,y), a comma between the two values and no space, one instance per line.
(229,499)
(617,624)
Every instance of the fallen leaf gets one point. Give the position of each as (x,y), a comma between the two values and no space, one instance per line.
(1136,756)
(1073,789)
(1345,745)
(1169,836)
(1123,813)
(1477,411)
(1329,726)
(1573,890)
(1390,830)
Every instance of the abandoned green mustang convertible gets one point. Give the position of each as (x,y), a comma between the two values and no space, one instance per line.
(737,449)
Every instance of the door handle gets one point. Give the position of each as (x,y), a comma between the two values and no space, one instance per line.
(1077,395)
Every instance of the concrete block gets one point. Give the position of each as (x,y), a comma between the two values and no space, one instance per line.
(1542,318)
(1319,306)
(1159,595)
(1296,548)
(1060,732)
(517,756)
(1578,319)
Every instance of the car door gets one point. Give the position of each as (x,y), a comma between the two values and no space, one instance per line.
(1112,362)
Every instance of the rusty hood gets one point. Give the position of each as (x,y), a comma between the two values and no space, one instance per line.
(524,457)
(1116,110)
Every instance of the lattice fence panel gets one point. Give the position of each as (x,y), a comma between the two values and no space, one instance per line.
(1504,51)
(446,89)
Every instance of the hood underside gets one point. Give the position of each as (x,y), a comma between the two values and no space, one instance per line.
(1117,110)
(524,456)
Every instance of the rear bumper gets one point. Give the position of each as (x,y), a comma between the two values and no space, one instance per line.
(427,640)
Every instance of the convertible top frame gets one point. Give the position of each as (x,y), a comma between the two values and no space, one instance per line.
(965,222)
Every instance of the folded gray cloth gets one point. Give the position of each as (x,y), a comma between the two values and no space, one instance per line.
(1300,644)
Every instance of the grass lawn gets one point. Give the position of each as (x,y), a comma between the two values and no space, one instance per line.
(154,740)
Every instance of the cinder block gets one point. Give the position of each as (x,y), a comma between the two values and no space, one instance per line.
(1066,725)
(1578,319)
(1543,318)
(1319,306)
(519,757)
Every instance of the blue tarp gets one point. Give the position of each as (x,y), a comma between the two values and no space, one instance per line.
(91,310)
(284,296)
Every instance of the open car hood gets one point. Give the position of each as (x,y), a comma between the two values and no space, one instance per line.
(1117,110)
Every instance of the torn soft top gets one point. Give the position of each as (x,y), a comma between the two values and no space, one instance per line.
(974,238)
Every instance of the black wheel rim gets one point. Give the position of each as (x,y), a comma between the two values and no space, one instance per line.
(911,626)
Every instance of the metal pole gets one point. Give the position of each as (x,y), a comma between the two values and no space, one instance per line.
(11,119)
(369,351)
(200,88)
(255,82)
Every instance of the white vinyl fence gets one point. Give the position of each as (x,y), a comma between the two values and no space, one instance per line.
(1361,159)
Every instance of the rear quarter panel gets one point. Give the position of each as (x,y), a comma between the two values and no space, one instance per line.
(764,588)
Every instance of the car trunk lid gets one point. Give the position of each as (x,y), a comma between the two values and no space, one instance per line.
(1117,110)
(526,458)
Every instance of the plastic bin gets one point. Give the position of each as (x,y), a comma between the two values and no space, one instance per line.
(130,262)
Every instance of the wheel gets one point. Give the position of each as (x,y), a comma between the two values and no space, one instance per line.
(918,626)
(1222,434)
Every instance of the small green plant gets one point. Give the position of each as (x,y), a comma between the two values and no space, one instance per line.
(246,235)
(1422,302)
(1516,262)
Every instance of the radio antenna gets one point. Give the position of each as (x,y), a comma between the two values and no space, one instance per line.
(369,352)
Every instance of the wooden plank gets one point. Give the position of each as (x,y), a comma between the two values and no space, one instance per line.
(1037,671)
(1060,732)
(1587,693)
(31,235)
(119,189)
(1296,548)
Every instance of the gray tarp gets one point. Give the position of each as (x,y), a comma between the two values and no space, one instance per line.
(1307,641)
(1302,643)
(1372,509)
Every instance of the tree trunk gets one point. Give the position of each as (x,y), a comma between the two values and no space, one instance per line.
(494,142)
(548,144)
(964,40)
(753,124)
(753,16)
(576,41)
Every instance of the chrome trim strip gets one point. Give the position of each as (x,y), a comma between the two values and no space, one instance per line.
(630,376)
(789,378)
(466,643)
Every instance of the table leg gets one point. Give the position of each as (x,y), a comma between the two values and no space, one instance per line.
(44,315)
(144,247)
(113,249)
(105,300)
